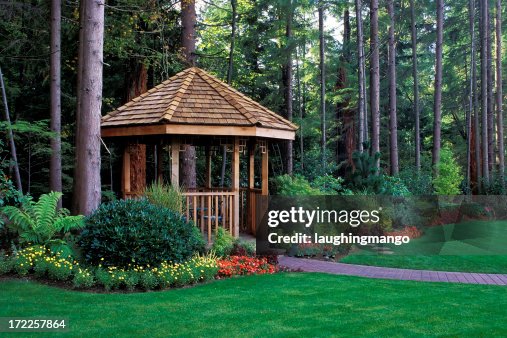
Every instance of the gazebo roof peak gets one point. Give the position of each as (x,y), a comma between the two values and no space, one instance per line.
(193,97)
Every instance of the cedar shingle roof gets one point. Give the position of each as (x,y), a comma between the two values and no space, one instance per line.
(194,97)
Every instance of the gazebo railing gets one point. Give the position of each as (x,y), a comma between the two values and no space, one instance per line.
(210,209)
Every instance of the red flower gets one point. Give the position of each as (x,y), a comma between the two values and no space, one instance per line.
(244,265)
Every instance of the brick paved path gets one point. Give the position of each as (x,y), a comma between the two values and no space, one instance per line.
(312,265)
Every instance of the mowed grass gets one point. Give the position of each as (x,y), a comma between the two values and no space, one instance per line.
(476,246)
(286,304)
(484,264)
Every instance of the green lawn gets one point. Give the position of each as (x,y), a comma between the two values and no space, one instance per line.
(288,304)
(468,247)
(484,264)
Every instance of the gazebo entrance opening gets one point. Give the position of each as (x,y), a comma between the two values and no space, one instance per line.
(209,205)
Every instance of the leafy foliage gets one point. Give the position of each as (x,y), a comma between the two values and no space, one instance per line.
(449,176)
(42,222)
(417,182)
(294,185)
(365,175)
(167,196)
(132,232)
(243,248)
(394,186)
(223,244)
(298,185)
(330,185)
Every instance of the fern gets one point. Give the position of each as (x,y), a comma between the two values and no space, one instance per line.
(42,222)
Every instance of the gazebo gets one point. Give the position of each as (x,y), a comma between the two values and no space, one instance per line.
(195,108)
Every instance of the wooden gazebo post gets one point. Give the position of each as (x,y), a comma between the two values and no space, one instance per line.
(126,171)
(265,172)
(207,182)
(235,185)
(251,222)
(175,161)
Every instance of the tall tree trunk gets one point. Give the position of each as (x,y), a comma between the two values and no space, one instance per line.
(287,85)
(417,118)
(12,144)
(188,20)
(393,120)
(300,110)
(136,80)
(471,96)
(499,93)
(75,202)
(484,90)
(188,176)
(437,104)
(374,79)
(230,69)
(55,165)
(476,124)
(491,114)
(322,68)
(345,119)
(87,193)
(360,75)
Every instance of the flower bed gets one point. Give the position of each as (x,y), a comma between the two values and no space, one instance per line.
(244,265)
(42,263)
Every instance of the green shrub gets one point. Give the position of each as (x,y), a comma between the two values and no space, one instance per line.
(106,279)
(449,176)
(131,279)
(495,186)
(83,279)
(136,232)
(149,280)
(330,185)
(417,182)
(287,185)
(41,267)
(223,244)
(6,264)
(243,248)
(311,165)
(393,186)
(9,195)
(166,196)
(61,271)
(365,176)
(42,222)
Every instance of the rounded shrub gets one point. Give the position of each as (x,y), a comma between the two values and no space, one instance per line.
(132,232)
